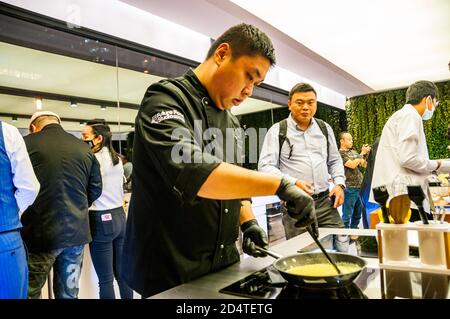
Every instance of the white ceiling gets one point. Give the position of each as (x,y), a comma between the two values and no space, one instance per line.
(35,70)
(353,47)
(383,43)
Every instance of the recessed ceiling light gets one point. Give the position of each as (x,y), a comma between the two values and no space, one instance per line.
(73,104)
(145,71)
(38,103)
(102,107)
(14,118)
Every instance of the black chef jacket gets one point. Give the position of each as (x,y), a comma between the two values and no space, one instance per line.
(172,235)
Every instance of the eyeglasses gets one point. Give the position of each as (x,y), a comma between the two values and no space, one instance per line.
(437,102)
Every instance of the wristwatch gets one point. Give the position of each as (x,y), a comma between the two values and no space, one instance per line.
(342,186)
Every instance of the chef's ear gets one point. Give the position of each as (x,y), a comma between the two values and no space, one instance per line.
(222,51)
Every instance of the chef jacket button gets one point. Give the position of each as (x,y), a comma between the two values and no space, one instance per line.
(205,101)
(214,136)
(225,210)
(222,246)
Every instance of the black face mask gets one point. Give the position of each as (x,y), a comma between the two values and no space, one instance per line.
(90,143)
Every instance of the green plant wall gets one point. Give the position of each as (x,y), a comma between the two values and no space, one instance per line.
(367,114)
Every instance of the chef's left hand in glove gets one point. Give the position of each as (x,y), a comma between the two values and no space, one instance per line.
(253,235)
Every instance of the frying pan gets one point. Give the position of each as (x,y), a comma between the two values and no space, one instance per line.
(284,264)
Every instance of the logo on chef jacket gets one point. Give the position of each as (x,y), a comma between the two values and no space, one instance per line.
(166,115)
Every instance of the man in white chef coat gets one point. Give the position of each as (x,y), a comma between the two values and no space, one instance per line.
(402,156)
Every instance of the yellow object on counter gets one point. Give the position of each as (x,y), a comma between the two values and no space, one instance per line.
(391,220)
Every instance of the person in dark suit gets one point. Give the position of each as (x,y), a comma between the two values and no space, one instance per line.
(56,226)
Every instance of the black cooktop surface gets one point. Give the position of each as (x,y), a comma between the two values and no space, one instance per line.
(268,284)
(371,283)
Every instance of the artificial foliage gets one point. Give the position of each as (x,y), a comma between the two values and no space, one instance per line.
(367,114)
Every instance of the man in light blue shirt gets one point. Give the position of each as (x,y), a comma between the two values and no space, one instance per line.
(307,157)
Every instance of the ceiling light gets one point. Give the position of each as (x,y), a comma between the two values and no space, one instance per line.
(146,71)
(38,103)
(102,107)
(73,104)
(14,118)
(81,123)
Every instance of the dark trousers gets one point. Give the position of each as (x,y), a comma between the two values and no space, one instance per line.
(326,216)
(106,251)
(66,263)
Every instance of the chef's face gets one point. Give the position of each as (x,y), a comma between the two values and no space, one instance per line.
(235,78)
(303,106)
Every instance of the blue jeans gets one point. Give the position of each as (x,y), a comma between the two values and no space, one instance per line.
(66,263)
(106,251)
(351,211)
(13,266)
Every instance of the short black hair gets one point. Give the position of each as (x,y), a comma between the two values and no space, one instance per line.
(420,89)
(245,39)
(96,121)
(301,87)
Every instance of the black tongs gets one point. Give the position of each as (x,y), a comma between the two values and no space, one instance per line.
(381,195)
(318,243)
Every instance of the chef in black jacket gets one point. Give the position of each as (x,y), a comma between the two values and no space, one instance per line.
(188,202)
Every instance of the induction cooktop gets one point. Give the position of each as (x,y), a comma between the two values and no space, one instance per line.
(372,282)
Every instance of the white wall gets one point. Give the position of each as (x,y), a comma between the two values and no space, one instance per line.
(125,21)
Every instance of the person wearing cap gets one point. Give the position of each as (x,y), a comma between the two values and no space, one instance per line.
(56,225)
(18,188)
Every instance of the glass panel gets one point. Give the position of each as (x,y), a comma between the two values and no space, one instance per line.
(72,76)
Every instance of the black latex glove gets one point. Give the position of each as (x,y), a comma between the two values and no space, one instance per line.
(299,204)
(253,235)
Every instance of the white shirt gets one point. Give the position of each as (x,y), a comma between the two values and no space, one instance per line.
(112,181)
(308,160)
(24,179)
(402,155)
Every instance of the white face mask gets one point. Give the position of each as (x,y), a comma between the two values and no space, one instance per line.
(428,114)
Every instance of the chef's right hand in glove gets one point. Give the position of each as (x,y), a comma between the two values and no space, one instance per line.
(299,204)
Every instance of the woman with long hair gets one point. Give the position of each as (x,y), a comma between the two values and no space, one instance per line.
(106,215)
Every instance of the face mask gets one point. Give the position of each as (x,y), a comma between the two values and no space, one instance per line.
(428,114)
(90,143)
